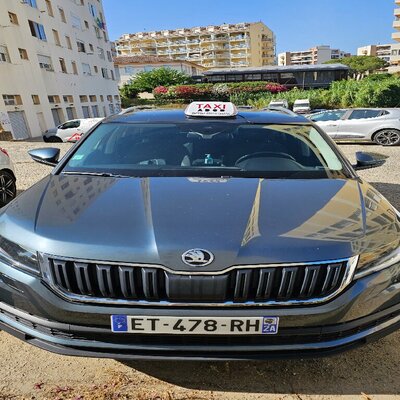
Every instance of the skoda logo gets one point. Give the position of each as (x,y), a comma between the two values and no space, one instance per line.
(197,257)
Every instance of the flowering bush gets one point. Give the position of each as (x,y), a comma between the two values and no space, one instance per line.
(219,91)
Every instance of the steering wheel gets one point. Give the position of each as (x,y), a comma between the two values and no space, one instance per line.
(264,154)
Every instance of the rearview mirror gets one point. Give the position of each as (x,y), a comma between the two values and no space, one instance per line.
(48,156)
(368,160)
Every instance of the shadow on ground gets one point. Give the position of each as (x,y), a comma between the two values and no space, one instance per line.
(372,369)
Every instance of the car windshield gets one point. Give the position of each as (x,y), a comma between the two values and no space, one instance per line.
(209,149)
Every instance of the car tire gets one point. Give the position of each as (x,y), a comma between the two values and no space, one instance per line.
(54,139)
(8,187)
(387,137)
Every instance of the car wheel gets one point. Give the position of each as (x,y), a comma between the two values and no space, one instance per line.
(8,188)
(387,137)
(54,139)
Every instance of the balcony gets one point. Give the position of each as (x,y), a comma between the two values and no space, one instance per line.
(397,12)
(396,25)
(396,36)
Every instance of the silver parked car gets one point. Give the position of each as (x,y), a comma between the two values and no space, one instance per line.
(381,126)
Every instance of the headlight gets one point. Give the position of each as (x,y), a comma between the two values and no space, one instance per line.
(19,257)
(370,263)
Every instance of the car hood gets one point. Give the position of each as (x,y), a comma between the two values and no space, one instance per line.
(241,221)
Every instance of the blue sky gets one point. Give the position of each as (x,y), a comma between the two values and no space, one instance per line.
(298,24)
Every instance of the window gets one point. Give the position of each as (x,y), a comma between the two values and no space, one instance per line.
(32,3)
(49,8)
(71,124)
(91,48)
(105,36)
(35,99)
(13,18)
(62,14)
(68,40)
(252,77)
(112,75)
(96,69)
(361,114)
(23,54)
(86,69)
(116,98)
(68,99)
(133,149)
(83,99)
(109,56)
(98,32)
(4,57)
(109,98)
(328,116)
(93,10)
(100,51)
(101,98)
(63,66)
(74,68)
(86,24)
(81,46)
(93,98)
(12,99)
(104,72)
(76,21)
(56,38)
(111,108)
(37,30)
(45,63)
(54,99)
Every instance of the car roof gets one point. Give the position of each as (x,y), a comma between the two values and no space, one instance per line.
(171,116)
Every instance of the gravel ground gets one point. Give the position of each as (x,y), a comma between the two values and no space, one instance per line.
(371,372)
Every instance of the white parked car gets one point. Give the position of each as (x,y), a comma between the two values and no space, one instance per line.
(302,106)
(70,130)
(381,126)
(8,188)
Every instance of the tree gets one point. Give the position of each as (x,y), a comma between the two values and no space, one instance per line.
(361,66)
(147,81)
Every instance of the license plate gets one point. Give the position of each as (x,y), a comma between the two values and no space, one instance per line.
(194,325)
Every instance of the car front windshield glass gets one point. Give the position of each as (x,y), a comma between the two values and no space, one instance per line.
(209,149)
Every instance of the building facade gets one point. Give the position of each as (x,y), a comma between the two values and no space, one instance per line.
(127,67)
(387,52)
(227,45)
(395,58)
(315,55)
(55,64)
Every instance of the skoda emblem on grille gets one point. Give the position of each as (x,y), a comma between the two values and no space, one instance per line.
(197,257)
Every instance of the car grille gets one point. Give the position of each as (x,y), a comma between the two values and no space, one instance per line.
(239,285)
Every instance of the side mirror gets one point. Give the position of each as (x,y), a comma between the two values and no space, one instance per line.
(368,160)
(48,156)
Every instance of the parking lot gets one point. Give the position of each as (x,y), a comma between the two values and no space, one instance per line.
(371,372)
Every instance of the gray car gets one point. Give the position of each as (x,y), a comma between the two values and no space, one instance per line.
(205,234)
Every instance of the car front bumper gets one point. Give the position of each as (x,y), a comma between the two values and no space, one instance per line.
(367,310)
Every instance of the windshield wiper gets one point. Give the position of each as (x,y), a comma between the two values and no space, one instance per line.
(102,174)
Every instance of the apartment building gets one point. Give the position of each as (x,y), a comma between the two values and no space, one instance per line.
(55,64)
(127,67)
(227,45)
(315,55)
(395,57)
(388,52)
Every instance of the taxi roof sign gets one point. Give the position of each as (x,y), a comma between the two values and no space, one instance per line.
(211,109)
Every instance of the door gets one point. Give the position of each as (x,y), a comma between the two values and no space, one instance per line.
(86,111)
(42,122)
(359,123)
(58,116)
(329,121)
(19,126)
(95,111)
(71,114)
